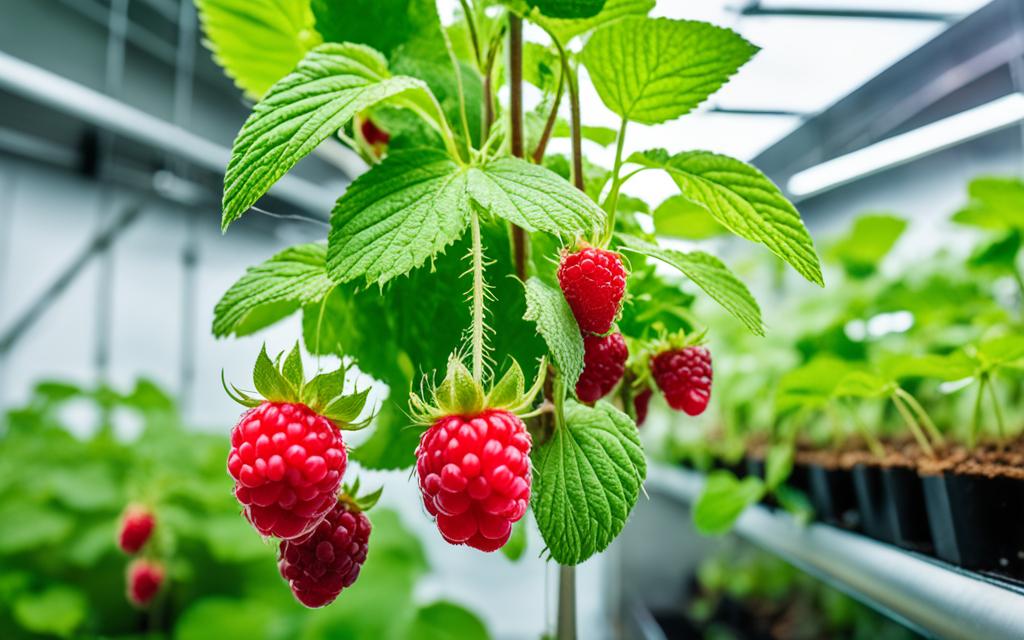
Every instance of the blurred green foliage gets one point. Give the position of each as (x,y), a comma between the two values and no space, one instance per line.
(73,458)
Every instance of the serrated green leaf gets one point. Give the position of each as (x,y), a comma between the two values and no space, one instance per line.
(614,10)
(533,197)
(292,369)
(653,70)
(586,481)
(294,277)
(568,9)
(867,243)
(268,380)
(708,273)
(723,500)
(396,216)
(744,201)
(861,384)
(679,217)
(330,86)
(546,306)
(385,25)
(257,42)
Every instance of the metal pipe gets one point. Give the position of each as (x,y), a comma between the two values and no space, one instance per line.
(53,90)
(566,625)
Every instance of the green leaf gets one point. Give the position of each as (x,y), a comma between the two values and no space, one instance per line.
(330,86)
(861,384)
(810,386)
(385,25)
(29,526)
(948,368)
(795,502)
(516,545)
(222,617)
(603,136)
(678,217)
(614,10)
(58,610)
(999,255)
(541,67)
(547,307)
(708,273)
(586,481)
(1001,351)
(294,277)
(568,9)
(446,621)
(268,380)
(653,70)
(533,197)
(867,243)
(257,42)
(778,464)
(995,203)
(723,500)
(396,216)
(742,200)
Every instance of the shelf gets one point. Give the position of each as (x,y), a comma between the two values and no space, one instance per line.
(926,595)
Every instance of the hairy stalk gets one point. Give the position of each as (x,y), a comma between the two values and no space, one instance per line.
(611,203)
(1000,424)
(478,299)
(473,36)
(922,415)
(549,126)
(915,428)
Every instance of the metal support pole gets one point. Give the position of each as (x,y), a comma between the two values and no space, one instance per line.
(566,625)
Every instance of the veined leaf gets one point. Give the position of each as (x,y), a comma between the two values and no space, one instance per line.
(613,11)
(568,9)
(743,200)
(708,273)
(586,481)
(810,386)
(257,42)
(273,290)
(385,25)
(861,384)
(547,307)
(533,197)
(331,84)
(678,217)
(603,136)
(654,70)
(397,215)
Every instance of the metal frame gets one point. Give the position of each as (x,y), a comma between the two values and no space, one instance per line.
(931,597)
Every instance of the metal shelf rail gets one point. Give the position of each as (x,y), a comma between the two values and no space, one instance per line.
(928,596)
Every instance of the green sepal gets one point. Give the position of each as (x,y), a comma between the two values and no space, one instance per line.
(343,410)
(292,369)
(237,394)
(325,386)
(350,496)
(459,393)
(269,381)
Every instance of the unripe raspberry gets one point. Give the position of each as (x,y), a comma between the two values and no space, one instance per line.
(641,402)
(136,527)
(320,566)
(287,462)
(593,281)
(604,362)
(144,581)
(684,376)
(474,473)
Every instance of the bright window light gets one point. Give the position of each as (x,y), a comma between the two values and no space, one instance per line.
(909,146)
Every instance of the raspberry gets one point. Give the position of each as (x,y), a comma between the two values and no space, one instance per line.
(474,473)
(640,403)
(320,566)
(593,281)
(373,134)
(144,580)
(136,527)
(684,376)
(604,362)
(287,462)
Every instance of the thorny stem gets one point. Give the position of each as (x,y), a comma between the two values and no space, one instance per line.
(549,126)
(1000,425)
(478,299)
(922,415)
(612,202)
(915,428)
(972,438)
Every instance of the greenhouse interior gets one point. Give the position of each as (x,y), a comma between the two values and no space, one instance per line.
(512,319)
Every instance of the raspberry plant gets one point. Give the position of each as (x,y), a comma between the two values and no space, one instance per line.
(462,201)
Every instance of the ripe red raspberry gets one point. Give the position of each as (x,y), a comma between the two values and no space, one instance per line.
(287,462)
(320,566)
(604,362)
(136,527)
(373,134)
(641,401)
(684,376)
(144,581)
(593,281)
(474,474)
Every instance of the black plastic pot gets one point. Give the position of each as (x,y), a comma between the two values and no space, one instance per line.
(872,502)
(908,517)
(977,522)
(833,496)
(800,478)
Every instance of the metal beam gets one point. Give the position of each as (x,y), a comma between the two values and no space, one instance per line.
(882,14)
(97,109)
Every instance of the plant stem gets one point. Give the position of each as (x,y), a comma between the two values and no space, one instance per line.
(972,438)
(915,428)
(462,94)
(1000,425)
(874,445)
(478,299)
(515,71)
(566,627)
(549,126)
(922,415)
(471,21)
(492,52)
(577,136)
(612,202)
